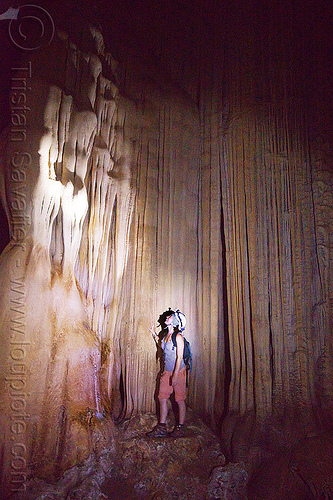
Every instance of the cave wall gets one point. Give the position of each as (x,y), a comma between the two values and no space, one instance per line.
(191,175)
(268,140)
(261,78)
(100,188)
(66,189)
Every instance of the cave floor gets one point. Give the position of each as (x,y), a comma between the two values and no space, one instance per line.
(137,467)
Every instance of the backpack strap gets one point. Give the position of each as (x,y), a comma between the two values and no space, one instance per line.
(174,341)
(173,337)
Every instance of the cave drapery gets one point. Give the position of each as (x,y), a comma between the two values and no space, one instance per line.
(202,181)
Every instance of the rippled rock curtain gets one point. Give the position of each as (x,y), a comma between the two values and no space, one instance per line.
(259,77)
(267,133)
(163,257)
(208,188)
(110,181)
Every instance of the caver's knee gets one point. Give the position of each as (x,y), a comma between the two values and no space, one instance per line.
(180,398)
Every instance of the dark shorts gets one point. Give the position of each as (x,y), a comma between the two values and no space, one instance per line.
(179,387)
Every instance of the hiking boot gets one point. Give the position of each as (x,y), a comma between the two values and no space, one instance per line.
(178,431)
(158,431)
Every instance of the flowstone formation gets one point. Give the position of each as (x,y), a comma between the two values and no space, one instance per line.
(65,184)
(200,179)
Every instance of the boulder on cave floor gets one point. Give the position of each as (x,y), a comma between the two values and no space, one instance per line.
(137,467)
(164,468)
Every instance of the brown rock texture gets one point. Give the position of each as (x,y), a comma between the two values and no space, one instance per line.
(52,322)
(195,174)
(138,467)
(305,471)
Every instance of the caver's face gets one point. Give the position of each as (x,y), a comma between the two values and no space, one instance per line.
(168,320)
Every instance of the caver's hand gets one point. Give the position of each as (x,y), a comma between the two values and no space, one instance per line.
(152,330)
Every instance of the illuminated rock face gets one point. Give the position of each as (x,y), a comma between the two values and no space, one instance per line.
(211,194)
(75,309)
(65,185)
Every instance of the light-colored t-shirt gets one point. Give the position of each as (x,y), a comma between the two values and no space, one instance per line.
(170,355)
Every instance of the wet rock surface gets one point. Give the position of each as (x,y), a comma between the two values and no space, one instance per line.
(228,483)
(138,467)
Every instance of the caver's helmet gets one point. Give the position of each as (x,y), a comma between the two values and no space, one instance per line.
(179,320)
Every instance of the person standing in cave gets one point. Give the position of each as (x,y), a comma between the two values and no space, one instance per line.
(173,378)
